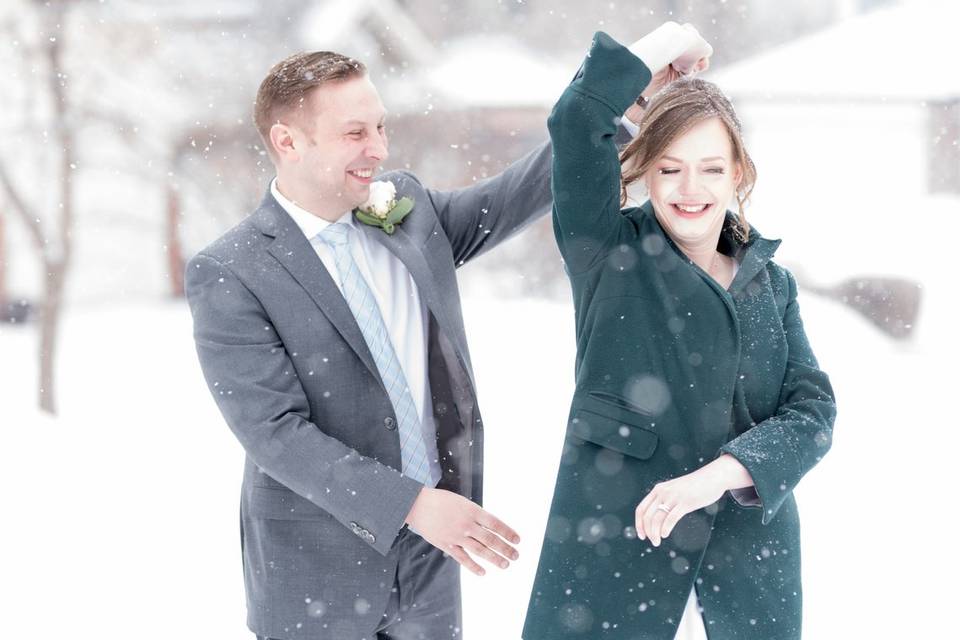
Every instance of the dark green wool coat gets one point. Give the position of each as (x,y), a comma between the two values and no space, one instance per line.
(672,370)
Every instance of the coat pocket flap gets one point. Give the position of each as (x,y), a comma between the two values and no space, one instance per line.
(613,427)
(282,504)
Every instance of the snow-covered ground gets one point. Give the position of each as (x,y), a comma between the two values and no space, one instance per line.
(119,519)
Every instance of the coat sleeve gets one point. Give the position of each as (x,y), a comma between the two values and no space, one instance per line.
(586,167)
(781,449)
(481,216)
(253,382)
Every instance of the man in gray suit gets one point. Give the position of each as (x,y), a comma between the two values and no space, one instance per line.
(336,353)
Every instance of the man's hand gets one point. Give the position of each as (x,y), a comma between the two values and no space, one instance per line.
(681,46)
(684,50)
(685,494)
(460,527)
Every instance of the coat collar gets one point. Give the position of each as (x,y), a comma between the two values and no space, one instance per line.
(753,255)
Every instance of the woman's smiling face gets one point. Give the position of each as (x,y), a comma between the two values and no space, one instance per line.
(692,183)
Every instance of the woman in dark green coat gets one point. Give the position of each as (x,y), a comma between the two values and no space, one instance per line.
(699,404)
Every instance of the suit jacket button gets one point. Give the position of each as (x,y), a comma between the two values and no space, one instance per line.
(390,423)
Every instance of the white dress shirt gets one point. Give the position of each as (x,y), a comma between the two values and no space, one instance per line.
(403,311)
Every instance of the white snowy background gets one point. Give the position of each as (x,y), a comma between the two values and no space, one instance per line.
(119,517)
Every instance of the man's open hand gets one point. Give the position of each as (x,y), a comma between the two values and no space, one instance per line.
(460,528)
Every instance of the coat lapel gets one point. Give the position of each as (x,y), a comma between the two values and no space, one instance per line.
(292,249)
(753,256)
(757,253)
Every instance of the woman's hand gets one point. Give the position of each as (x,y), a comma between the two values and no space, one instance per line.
(685,494)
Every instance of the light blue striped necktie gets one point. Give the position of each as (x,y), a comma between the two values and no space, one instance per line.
(359,297)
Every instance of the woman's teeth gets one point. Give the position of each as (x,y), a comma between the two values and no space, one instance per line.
(691,208)
(362,173)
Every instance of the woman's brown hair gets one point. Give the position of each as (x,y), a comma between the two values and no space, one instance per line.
(673,111)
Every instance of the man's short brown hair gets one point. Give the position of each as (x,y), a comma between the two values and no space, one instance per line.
(290,82)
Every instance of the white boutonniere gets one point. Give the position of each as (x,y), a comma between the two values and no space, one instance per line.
(382,209)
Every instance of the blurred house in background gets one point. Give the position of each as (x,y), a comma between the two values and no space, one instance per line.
(161,95)
(854,130)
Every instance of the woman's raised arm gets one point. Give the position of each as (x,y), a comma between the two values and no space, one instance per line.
(586,168)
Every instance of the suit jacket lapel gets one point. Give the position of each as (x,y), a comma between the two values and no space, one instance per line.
(403,246)
(299,258)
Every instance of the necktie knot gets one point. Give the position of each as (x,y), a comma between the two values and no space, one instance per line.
(336,234)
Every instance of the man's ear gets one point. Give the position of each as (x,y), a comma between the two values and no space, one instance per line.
(284,141)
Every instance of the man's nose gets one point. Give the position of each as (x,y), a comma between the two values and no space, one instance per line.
(377,149)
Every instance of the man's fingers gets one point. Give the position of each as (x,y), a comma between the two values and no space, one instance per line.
(461,556)
(698,48)
(495,542)
(495,524)
(481,551)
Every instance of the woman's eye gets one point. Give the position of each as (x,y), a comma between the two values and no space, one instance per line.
(356,134)
(668,171)
(718,170)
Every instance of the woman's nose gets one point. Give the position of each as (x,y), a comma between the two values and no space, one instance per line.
(689,183)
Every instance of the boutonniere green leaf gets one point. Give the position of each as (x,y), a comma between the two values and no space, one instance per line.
(382,209)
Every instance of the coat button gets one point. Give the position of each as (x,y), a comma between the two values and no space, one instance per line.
(390,423)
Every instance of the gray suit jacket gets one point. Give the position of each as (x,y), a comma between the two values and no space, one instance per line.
(322,499)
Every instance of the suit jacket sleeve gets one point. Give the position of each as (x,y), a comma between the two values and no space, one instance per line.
(255,386)
(481,216)
(586,166)
(779,450)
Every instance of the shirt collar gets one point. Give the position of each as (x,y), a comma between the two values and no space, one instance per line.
(310,224)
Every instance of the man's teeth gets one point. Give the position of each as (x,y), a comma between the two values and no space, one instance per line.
(362,173)
(692,209)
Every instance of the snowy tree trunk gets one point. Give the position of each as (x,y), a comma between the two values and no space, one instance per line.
(173,247)
(50,312)
(4,294)
(57,266)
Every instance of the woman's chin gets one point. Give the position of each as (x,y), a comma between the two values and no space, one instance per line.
(685,230)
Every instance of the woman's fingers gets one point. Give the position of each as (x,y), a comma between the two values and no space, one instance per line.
(672,519)
(653,519)
(638,521)
(641,511)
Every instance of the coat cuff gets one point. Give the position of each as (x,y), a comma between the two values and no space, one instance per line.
(390,526)
(612,74)
(770,488)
